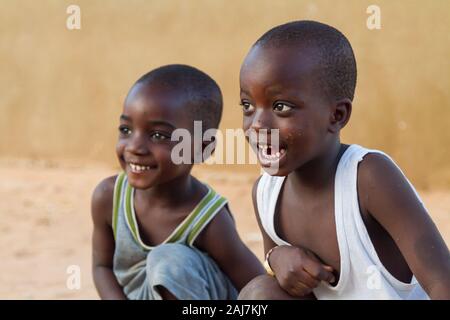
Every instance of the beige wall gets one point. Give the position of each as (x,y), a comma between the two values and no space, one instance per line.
(61,90)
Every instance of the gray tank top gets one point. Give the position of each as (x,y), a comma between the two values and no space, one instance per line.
(129,263)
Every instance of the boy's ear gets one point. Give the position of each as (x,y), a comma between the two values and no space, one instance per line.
(340,114)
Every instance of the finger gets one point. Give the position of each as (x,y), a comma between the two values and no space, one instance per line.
(307,280)
(294,287)
(300,275)
(299,290)
(311,255)
(318,271)
(328,268)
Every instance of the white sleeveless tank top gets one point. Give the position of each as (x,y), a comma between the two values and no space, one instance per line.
(362,275)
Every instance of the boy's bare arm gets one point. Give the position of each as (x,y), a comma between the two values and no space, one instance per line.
(387,196)
(103,242)
(222,242)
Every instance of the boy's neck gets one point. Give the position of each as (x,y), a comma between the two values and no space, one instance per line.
(171,193)
(318,173)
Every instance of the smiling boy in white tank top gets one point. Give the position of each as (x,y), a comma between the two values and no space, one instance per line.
(338,221)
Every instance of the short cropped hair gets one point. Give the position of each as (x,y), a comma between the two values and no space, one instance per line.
(337,64)
(203,96)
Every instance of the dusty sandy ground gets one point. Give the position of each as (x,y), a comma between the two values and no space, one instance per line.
(46,226)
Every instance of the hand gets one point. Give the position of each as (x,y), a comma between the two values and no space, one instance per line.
(298,270)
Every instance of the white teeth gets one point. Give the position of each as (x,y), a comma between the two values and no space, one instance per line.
(138,168)
(270,157)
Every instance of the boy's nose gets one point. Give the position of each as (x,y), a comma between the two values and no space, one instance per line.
(261,120)
(137,145)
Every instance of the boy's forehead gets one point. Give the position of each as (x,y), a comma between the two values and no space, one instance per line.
(265,65)
(159,102)
(156,96)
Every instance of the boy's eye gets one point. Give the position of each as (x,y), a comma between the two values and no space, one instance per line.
(124,130)
(158,136)
(246,106)
(281,107)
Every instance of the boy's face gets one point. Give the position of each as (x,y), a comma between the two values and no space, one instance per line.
(150,114)
(279,91)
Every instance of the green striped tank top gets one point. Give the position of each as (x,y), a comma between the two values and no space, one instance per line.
(130,251)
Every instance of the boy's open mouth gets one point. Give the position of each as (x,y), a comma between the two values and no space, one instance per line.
(267,155)
(138,168)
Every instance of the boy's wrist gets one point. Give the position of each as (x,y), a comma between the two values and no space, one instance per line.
(267,264)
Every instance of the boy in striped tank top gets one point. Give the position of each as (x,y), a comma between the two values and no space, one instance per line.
(159,233)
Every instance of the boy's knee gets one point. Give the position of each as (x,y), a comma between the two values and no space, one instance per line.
(258,288)
(263,287)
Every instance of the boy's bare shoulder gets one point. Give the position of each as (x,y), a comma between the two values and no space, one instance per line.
(102,200)
(379,179)
(376,168)
(223,220)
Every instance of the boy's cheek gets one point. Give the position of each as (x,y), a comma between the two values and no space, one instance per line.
(119,151)
(122,163)
(120,156)
(162,153)
(246,123)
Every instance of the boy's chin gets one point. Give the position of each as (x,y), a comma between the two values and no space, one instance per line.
(141,185)
(276,172)
(141,182)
